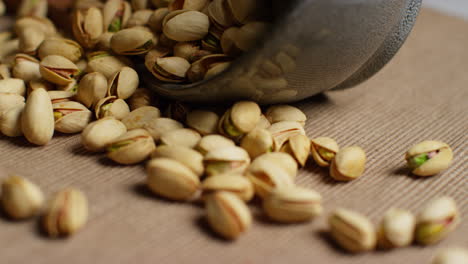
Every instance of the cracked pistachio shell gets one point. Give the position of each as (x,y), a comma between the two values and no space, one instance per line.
(10,100)
(133,41)
(171,179)
(87,26)
(37,8)
(183,137)
(217,69)
(205,122)
(452,255)
(177,110)
(131,148)
(228,42)
(26,67)
(263,123)
(197,5)
(140,4)
(432,165)
(348,164)
(29,40)
(60,46)
(201,67)
(187,156)
(71,117)
(21,198)
(10,121)
(4,71)
(92,88)
(157,127)
(67,212)
(280,113)
(257,142)
(35,23)
(234,183)
(240,119)
(226,160)
(186,25)
(283,131)
(140,98)
(111,106)
(438,218)
(212,142)
(106,63)
(138,118)
(267,176)
(58,69)
(60,96)
(13,85)
(219,14)
(227,214)
(282,160)
(396,229)
(156,19)
(116,14)
(37,119)
(292,204)
(298,147)
(98,134)
(190,51)
(104,42)
(124,83)
(169,69)
(352,231)
(212,41)
(140,18)
(323,150)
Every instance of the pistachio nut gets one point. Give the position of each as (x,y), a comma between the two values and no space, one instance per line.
(166,42)
(280,159)
(132,147)
(60,46)
(249,34)
(140,4)
(429,157)
(92,88)
(87,26)
(293,204)
(257,142)
(106,63)
(133,41)
(205,122)
(123,83)
(58,69)
(21,198)
(226,160)
(283,131)
(26,67)
(4,71)
(298,146)
(352,231)
(156,20)
(219,14)
(436,220)
(234,183)
(227,214)
(348,164)
(243,11)
(216,70)
(116,15)
(139,18)
(183,137)
(140,98)
(286,63)
(98,134)
(36,84)
(36,8)
(59,96)
(212,41)
(157,127)
(10,100)
(82,67)
(279,113)
(267,176)
(199,69)
(452,255)
(111,106)
(240,119)
(160,3)
(67,212)
(190,51)
(168,69)
(71,87)
(71,117)
(187,156)
(10,121)
(13,85)
(228,42)
(396,229)
(30,39)
(138,118)
(186,25)
(212,142)
(171,179)
(178,111)
(35,23)
(263,123)
(9,49)
(323,150)
(2,8)
(196,5)
(104,41)
(37,119)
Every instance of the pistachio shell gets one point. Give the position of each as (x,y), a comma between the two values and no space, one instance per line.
(98,134)
(71,117)
(156,20)
(217,69)
(205,122)
(212,142)
(219,14)
(396,229)
(452,255)
(282,160)
(123,83)
(190,51)
(170,69)
(36,84)
(139,18)
(10,100)
(92,88)
(323,150)
(185,25)
(60,96)
(140,4)
(199,69)
(440,161)
(249,34)
(228,42)
(30,39)
(13,85)
(37,8)
(4,71)
(26,67)
(58,69)
(279,113)
(240,119)
(298,147)
(196,5)
(263,123)
(138,118)
(226,160)
(132,147)
(133,41)
(187,156)
(284,130)
(181,137)
(60,46)
(257,142)
(10,121)
(116,14)
(177,111)
(267,176)
(37,120)
(234,183)
(104,41)
(348,164)
(106,63)
(35,23)
(111,106)
(140,98)
(21,198)
(157,127)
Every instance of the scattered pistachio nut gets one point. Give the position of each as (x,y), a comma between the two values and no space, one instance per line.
(37,119)
(111,106)
(21,198)
(323,150)
(13,85)
(133,41)
(87,26)
(352,231)
(123,83)
(141,97)
(187,156)
(396,229)
(211,142)
(106,63)
(234,183)
(157,127)
(227,214)
(116,14)
(98,134)
(71,117)
(58,69)
(60,46)
(279,113)
(139,18)
(257,142)
(179,111)
(348,164)
(452,255)
(240,119)
(132,147)
(282,131)
(67,212)
(226,160)
(186,25)
(429,158)
(205,122)
(267,176)
(436,220)
(183,137)
(298,146)
(138,118)
(168,69)
(10,121)
(10,100)
(282,160)
(92,88)
(26,68)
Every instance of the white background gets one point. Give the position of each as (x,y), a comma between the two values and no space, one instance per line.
(454,7)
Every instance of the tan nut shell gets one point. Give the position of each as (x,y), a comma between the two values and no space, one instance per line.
(452,255)
(284,130)
(157,127)
(205,122)
(138,118)
(118,109)
(98,134)
(92,88)
(236,156)
(267,176)
(88,26)
(111,8)
(21,198)
(13,85)
(10,100)
(139,18)
(348,164)
(187,156)
(185,25)
(234,183)
(140,98)
(257,142)
(280,113)
(74,122)
(60,96)
(156,20)
(298,147)
(37,120)
(283,160)
(440,162)
(212,142)
(60,46)
(135,152)
(133,41)
(26,67)
(51,65)
(396,229)
(123,83)
(181,137)
(106,63)
(245,115)
(10,121)
(326,143)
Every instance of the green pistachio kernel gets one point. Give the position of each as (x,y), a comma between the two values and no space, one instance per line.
(230,129)
(429,230)
(325,154)
(118,145)
(418,160)
(116,25)
(57,115)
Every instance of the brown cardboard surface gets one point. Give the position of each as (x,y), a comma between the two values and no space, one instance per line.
(422,94)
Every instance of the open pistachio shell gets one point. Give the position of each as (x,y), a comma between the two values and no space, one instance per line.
(282,160)
(157,127)
(205,122)
(60,96)
(257,142)
(186,25)
(219,14)
(139,18)
(133,41)
(9,100)
(10,121)
(298,147)
(111,106)
(71,117)
(116,14)
(169,69)
(156,20)
(226,160)
(348,164)
(132,147)
(106,63)
(199,69)
(240,119)
(26,67)
(124,83)
(88,26)
(140,117)
(181,137)
(323,150)
(279,113)
(37,119)
(58,69)
(30,39)
(13,85)
(212,142)
(217,69)
(284,130)
(60,46)
(267,176)
(98,134)
(192,159)
(234,183)
(190,51)
(429,157)
(92,88)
